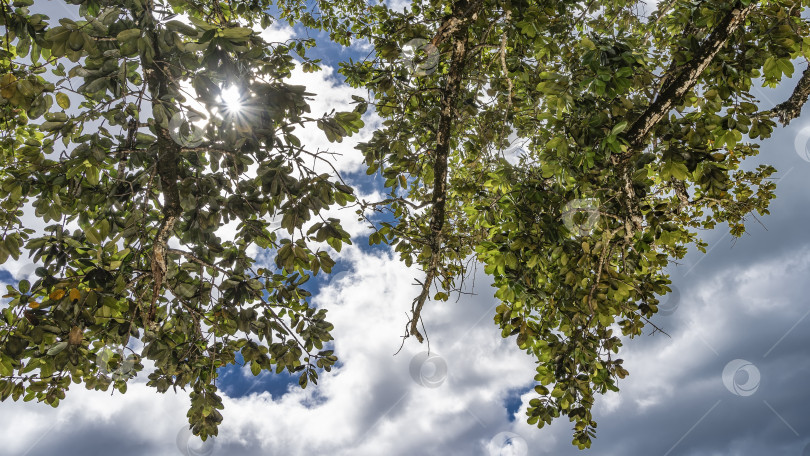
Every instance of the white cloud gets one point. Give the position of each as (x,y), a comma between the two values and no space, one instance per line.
(276,33)
(370,405)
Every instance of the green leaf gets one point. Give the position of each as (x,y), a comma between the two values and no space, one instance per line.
(237,32)
(674,169)
(57,348)
(619,127)
(62,100)
(129,35)
(92,235)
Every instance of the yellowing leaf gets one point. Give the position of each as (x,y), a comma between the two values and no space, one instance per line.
(33,305)
(63,100)
(75,294)
(57,295)
(8,85)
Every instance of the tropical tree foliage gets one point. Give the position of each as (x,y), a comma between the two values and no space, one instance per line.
(132,191)
(632,130)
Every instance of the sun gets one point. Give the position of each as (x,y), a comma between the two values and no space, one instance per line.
(232,98)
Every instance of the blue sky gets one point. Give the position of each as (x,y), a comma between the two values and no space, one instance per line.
(731,381)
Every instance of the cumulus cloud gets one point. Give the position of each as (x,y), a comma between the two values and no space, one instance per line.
(374,403)
(745,300)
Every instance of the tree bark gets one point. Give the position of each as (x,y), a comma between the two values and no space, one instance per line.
(792,107)
(677,81)
(678,84)
(168,155)
(455,29)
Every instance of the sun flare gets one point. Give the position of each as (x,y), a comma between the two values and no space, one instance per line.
(232,99)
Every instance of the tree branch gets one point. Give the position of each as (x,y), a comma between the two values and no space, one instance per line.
(168,155)
(792,107)
(191,257)
(454,28)
(677,81)
(678,85)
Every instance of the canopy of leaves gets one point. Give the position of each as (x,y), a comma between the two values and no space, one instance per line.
(131,193)
(632,131)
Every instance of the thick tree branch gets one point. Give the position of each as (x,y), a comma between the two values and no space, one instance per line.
(456,24)
(454,29)
(792,107)
(677,81)
(168,155)
(677,85)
